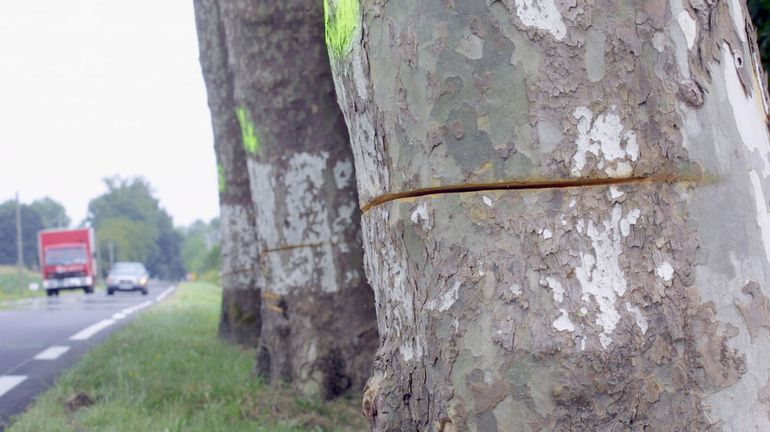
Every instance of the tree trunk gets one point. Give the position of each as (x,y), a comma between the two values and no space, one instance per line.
(241,295)
(565,212)
(319,325)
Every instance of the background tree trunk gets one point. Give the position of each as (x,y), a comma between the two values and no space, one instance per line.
(594,252)
(319,325)
(241,295)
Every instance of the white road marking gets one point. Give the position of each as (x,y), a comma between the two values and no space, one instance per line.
(138,307)
(52,353)
(165,293)
(92,329)
(7,382)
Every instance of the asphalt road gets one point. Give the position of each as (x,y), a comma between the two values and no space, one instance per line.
(41,337)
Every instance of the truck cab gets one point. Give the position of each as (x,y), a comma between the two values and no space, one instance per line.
(66,260)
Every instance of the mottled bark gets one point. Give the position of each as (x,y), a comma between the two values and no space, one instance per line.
(240,320)
(621,280)
(319,325)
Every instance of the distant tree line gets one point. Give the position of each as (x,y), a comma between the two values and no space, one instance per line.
(41,214)
(129,223)
(200,249)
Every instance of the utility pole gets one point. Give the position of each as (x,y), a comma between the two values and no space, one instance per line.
(112,253)
(19,245)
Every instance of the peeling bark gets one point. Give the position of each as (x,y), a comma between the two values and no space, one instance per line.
(619,302)
(240,320)
(319,326)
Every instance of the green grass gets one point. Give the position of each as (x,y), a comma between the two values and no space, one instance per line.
(9,284)
(167,371)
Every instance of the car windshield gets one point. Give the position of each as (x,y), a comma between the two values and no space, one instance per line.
(128,268)
(65,256)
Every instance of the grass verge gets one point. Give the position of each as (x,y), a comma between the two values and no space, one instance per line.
(168,371)
(9,284)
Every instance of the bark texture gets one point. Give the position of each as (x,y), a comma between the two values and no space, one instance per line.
(241,296)
(621,283)
(319,325)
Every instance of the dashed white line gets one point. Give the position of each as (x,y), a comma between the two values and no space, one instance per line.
(7,382)
(52,353)
(165,293)
(92,330)
(138,307)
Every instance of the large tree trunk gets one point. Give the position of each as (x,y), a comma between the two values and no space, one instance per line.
(566,221)
(241,297)
(319,324)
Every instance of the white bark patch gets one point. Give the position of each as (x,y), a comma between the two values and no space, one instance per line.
(749,112)
(306,221)
(351,276)
(238,252)
(343,223)
(262,194)
(306,213)
(410,350)
(421,213)
(343,172)
(659,41)
(386,267)
(515,290)
(615,193)
(608,140)
(546,233)
(736,11)
(372,174)
(487,201)
(563,323)
(471,46)
(344,217)
(641,321)
(631,218)
(600,275)
(688,26)
(558,289)
(445,302)
(360,80)
(262,191)
(763,218)
(366,157)
(542,14)
(665,271)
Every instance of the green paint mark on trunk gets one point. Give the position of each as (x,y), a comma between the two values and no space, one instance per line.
(221,174)
(340,25)
(248,131)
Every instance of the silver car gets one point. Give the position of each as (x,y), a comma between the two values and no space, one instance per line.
(128,276)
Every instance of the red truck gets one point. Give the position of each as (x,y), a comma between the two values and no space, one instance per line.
(67,260)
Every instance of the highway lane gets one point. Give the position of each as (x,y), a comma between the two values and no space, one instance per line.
(41,337)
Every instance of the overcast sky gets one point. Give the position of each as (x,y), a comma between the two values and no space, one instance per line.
(94,88)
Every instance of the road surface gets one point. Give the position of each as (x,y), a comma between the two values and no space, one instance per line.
(41,337)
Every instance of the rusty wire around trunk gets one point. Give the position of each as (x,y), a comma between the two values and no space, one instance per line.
(526,185)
